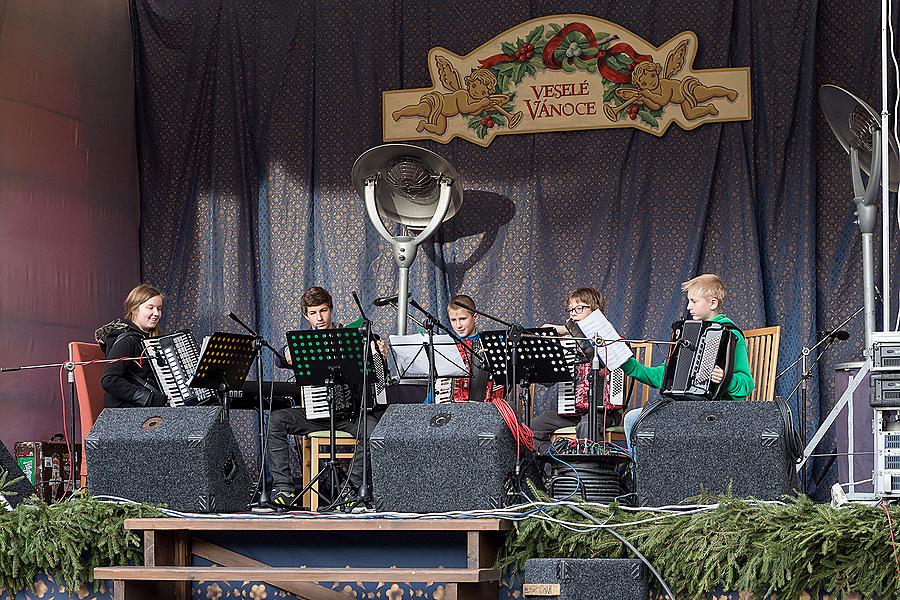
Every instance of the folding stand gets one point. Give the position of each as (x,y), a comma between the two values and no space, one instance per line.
(328,357)
(225,360)
(536,357)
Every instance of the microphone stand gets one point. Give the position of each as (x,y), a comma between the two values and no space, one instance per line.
(805,375)
(429,324)
(69,367)
(364,493)
(596,391)
(258,344)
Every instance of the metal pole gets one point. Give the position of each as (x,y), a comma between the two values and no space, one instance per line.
(885,177)
(402,297)
(868,258)
(804,391)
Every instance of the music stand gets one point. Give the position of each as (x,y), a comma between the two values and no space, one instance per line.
(328,357)
(537,357)
(225,360)
(541,356)
(413,360)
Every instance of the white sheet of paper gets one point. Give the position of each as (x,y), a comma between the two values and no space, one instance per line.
(411,355)
(614,354)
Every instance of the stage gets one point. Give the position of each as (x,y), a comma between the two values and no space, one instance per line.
(782,549)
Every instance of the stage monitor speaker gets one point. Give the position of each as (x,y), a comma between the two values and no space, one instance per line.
(683,446)
(441,457)
(11,494)
(185,458)
(585,579)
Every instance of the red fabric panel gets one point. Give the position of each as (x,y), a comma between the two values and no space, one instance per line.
(69,205)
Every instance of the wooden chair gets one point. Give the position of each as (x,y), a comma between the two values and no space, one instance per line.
(640,392)
(317,447)
(762,352)
(88,390)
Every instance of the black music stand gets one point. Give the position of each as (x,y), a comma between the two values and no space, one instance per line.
(537,357)
(225,360)
(542,358)
(328,357)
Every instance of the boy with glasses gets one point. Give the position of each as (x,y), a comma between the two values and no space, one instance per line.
(580,303)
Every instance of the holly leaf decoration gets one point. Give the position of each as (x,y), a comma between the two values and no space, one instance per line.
(647,117)
(535,36)
(508,49)
(617,63)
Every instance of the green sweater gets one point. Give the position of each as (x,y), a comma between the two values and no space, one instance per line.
(739,387)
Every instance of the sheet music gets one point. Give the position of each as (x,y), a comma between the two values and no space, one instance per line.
(613,354)
(411,356)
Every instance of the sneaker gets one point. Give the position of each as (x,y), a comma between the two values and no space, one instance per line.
(347,500)
(283,498)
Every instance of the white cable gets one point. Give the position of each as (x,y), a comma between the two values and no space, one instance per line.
(857,482)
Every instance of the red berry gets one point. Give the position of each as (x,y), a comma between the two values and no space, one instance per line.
(489,121)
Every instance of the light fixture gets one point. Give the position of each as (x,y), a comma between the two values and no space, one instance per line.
(413,187)
(857,127)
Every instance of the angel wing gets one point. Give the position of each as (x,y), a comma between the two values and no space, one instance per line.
(675,59)
(447,74)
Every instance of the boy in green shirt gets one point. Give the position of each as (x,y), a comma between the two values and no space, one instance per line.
(706,296)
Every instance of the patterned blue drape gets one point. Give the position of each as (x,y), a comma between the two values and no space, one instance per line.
(251,115)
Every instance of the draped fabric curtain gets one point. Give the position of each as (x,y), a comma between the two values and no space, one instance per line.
(251,115)
(69,198)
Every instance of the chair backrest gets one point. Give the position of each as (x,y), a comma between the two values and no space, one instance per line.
(88,389)
(640,392)
(762,352)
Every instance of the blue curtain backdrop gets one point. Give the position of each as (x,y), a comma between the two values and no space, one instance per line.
(251,115)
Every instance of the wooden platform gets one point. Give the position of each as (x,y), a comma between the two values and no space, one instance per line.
(171,546)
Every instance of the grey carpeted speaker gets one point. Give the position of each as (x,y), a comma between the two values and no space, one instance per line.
(441,457)
(585,579)
(683,445)
(186,458)
(12,493)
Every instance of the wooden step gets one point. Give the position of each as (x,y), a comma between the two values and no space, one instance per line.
(289,523)
(288,574)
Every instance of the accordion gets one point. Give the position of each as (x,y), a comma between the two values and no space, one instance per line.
(344,398)
(700,346)
(174,359)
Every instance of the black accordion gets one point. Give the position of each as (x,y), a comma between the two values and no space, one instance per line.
(699,347)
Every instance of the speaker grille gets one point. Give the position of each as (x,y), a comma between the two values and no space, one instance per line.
(892,462)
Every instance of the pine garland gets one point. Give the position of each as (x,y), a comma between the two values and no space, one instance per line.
(67,539)
(790,549)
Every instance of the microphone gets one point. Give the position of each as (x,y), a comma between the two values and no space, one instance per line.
(834,335)
(385,300)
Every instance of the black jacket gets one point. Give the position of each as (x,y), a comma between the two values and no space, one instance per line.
(125,383)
